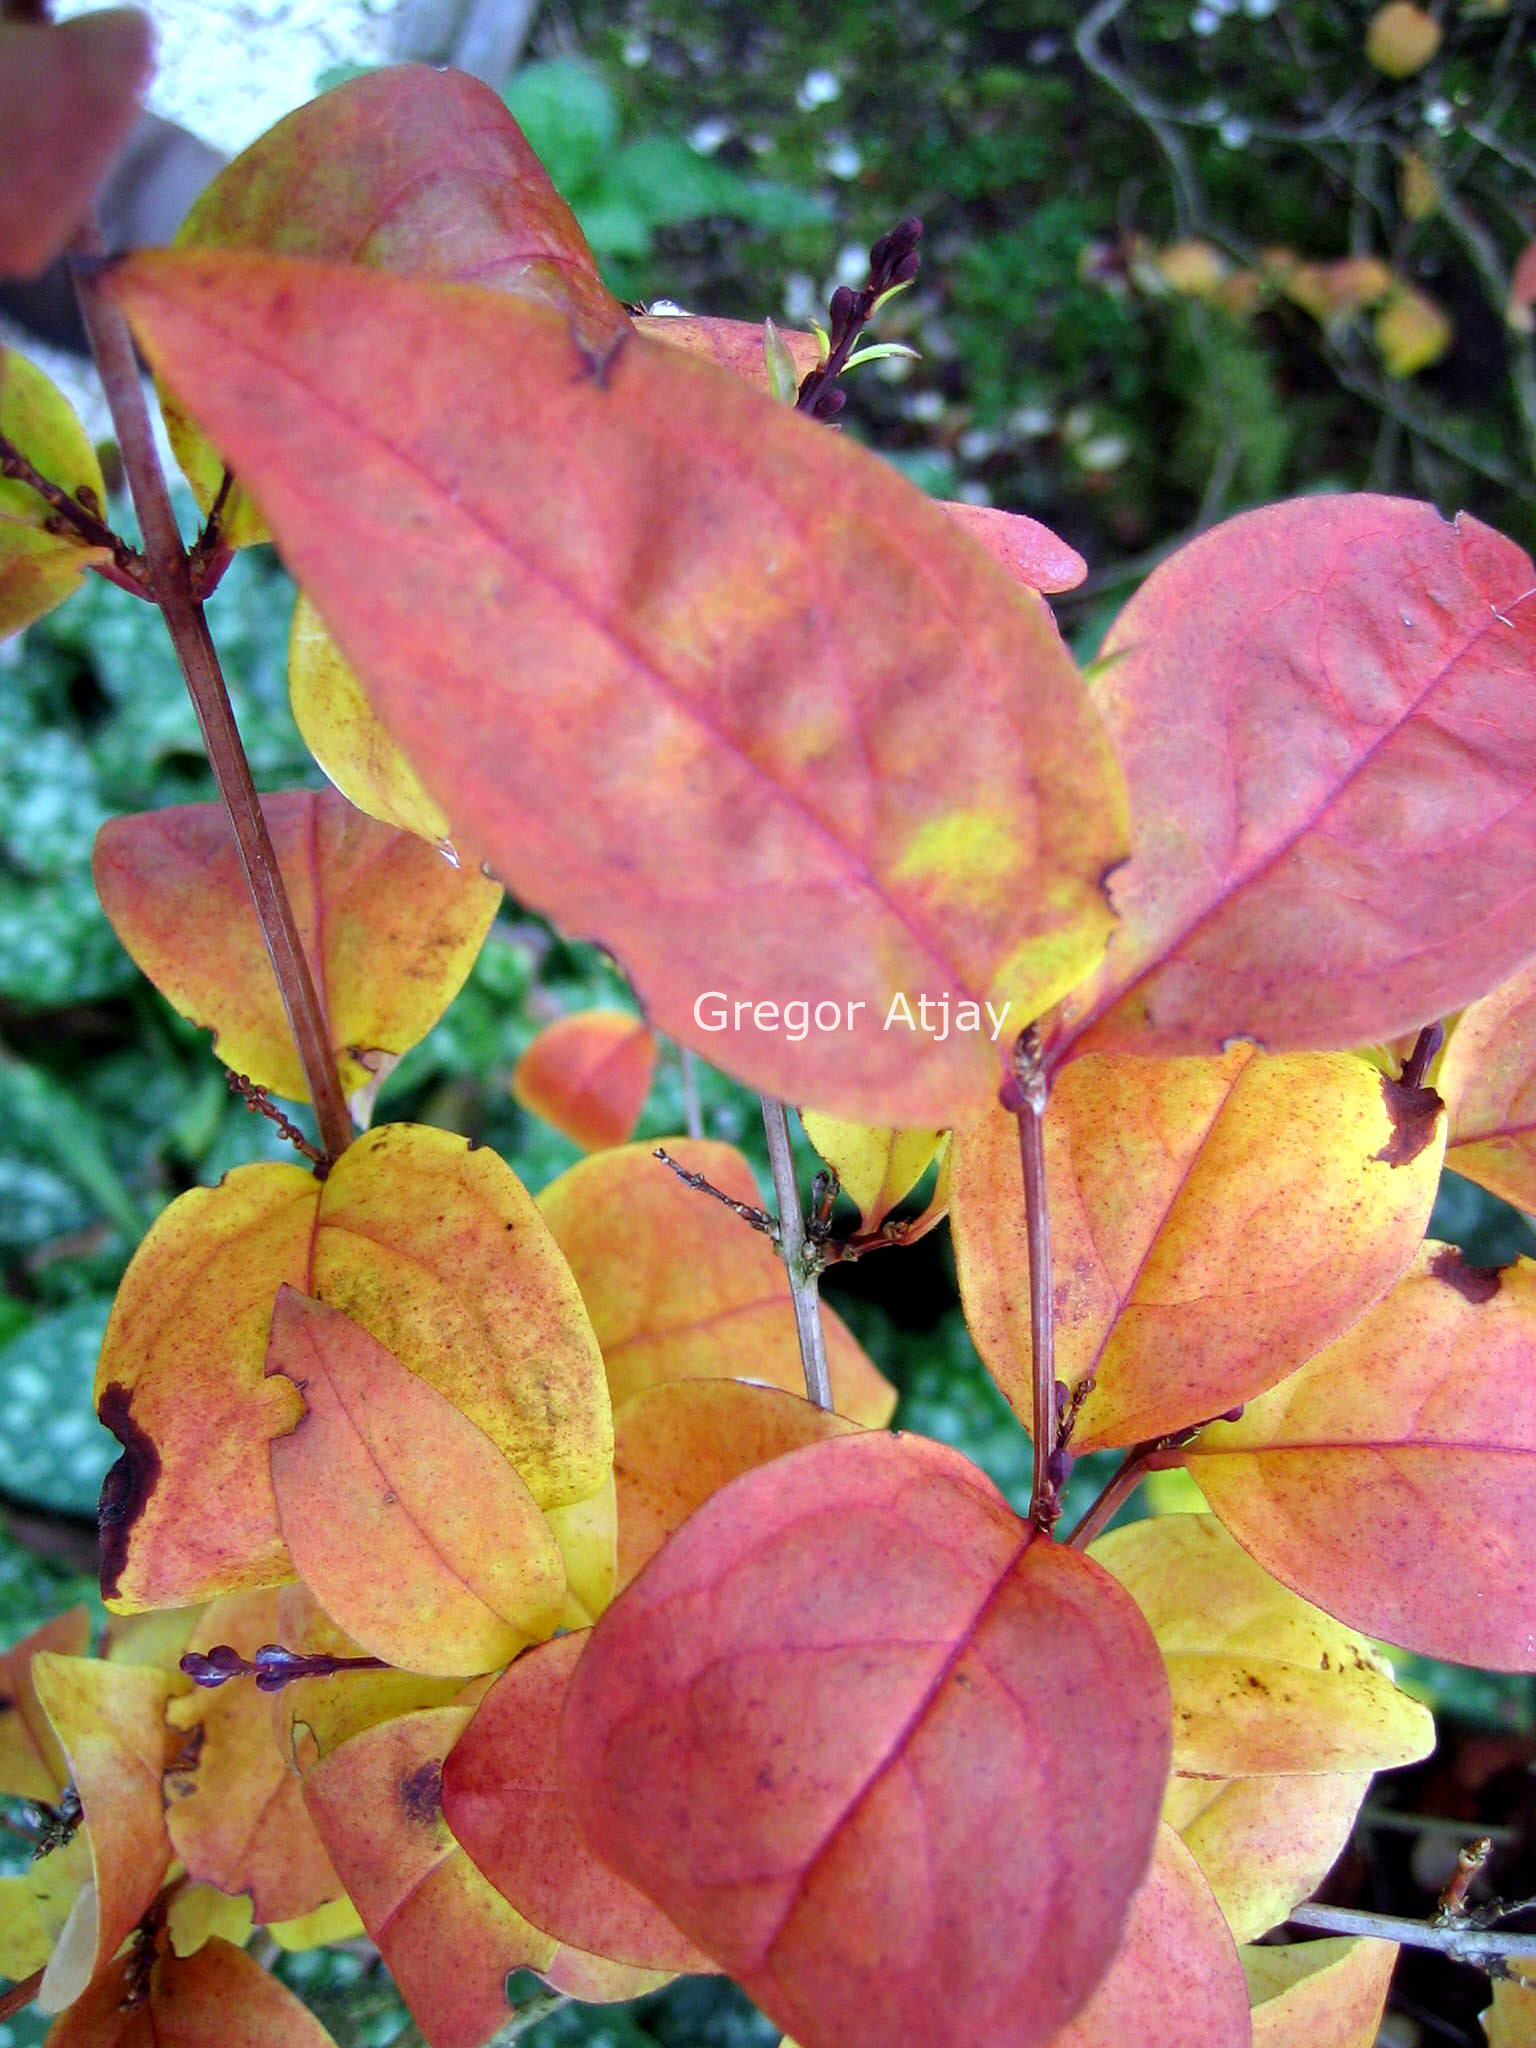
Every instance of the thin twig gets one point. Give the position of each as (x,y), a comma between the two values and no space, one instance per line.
(21,1995)
(1472,1945)
(260,1103)
(693,1114)
(71,512)
(1026,1093)
(803,1270)
(1186,187)
(759,1219)
(172,588)
(1122,1483)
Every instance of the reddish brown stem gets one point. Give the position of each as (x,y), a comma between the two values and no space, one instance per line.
(70,514)
(171,585)
(1025,1093)
(1121,1485)
(21,1995)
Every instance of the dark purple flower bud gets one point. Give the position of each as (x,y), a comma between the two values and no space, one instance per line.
(880,254)
(1059,1467)
(1233,1414)
(220,1664)
(844,300)
(904,271)
(831,403)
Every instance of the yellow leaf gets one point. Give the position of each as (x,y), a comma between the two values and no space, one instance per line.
(1262,1682)
(1319,1994)
(39,569)
(1410,332)
(877,1167)
(342,730)
(1266,1843)
(1402,38)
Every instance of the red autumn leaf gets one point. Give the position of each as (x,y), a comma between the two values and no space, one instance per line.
(232,1800)
(1488,1077)
(1031,552)
(721,1313)
(735,345)
(462,1567)
(109,1720)
(447,1936)
(391,929)
(863,1736)
(1325,717)
(589,1075)
(1215,1223)
(902,791)
(1412,1437)
(1177,1959)
(503,1799)
(79,80)
(412,170)
(218,1995)
(676,1443)
(1522,291)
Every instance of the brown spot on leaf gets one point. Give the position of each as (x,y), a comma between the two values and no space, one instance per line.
(1412,1113)
(421,1793)
(1473,1283)
(127,1487)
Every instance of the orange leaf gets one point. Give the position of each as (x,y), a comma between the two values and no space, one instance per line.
(1325,717)
(1177,1960)
(32,1764)
(1411,332)
(462,1569)
(1262,1682)
(39,569)
(589,1075)
(411,170)
(110,1722)
(814,1731)
(1412,1436)
(81,80)
(676,1443)
(448,1937)
(1319,1994)
(720,1313)
(1215,1222)
(503,1799)
(904,793)
(233,1806)
(1488,1077)
(391,929)
(1510,2022)
(219,1994)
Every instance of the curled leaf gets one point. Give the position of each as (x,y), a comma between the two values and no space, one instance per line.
(1488,1076)
(589,1075)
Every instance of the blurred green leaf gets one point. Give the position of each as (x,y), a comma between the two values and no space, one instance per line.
(53,1450)
(571,118)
